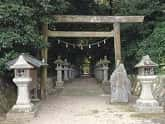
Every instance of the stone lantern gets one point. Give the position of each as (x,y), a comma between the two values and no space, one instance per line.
(70,71)
(105,63)
(59,68)
(26,79)
(105,82)
(146,76)
(66,69)
(96,70)
(22,80)
(100,70)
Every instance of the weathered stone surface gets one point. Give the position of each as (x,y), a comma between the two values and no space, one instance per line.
(59,82)
(120,85)
(159,89)
(21,117)
(146,102)
(106,87)
(51,85)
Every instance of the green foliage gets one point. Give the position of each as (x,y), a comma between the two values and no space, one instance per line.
(144,38)
(20,25)
(89,7)
(4,59)
(154,44)
(135,7)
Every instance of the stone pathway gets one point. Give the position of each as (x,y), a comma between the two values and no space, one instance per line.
(83,102)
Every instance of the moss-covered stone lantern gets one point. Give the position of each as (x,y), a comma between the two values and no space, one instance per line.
(146,76)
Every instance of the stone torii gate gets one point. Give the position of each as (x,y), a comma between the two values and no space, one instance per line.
(115,20)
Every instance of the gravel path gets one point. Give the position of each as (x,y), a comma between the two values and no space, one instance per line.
(83,102)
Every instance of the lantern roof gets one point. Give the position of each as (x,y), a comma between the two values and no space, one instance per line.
(25,61)
(21,63)
(59,60)
(99,62)
(66,62)
(105,60)
(146,62)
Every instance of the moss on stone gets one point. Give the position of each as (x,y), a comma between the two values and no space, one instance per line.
(124,107)
(149,115)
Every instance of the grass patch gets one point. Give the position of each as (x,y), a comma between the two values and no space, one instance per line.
(124,107)
(95,111)
(80,92)
(149,115)
(88,113)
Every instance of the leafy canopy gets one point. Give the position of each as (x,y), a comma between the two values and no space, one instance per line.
(20,25)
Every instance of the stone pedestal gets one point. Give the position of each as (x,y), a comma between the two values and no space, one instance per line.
(59,82)
(66,74)
(146,103)
(100,73)
(105,74)
(73,74)
(70,73)
(106,87)
(15,117)
(105,82)
(23,103)
(96,73)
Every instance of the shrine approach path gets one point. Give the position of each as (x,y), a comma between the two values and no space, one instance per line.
(82,101)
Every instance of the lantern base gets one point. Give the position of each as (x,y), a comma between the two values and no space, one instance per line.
(119,100)
(106,87)
(148,106)
(23,108)
(59,84)
(17,115)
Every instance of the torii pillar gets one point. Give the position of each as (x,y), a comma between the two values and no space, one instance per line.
(44,56)
(117,43)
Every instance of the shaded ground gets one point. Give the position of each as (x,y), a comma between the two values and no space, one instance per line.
(83,102)
(82,87)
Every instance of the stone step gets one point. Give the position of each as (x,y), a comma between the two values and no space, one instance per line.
(20,117)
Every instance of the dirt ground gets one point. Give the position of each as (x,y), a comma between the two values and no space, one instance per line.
(83,102)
